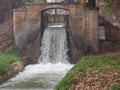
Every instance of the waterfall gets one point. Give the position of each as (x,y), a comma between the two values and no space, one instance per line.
(52,67)
(54,45)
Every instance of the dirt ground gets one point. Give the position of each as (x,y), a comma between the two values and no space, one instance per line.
(6,35)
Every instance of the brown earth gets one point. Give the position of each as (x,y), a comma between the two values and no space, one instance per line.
(100,81)
(6,35)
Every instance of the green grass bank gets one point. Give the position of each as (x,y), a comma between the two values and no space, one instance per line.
(8,57)
(91,71)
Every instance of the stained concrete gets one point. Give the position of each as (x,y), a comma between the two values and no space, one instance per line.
(83,28)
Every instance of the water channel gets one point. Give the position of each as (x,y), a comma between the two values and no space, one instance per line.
(52,67)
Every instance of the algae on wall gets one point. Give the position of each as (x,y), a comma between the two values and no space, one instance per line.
(35,1)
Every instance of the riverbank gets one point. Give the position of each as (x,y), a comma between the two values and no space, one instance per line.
(100,72)
(11,71)
(12,60)
(10,63)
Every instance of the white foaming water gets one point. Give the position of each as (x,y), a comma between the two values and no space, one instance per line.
(52,67)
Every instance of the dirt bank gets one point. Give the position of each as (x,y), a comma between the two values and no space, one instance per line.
(6,35)
(11,71)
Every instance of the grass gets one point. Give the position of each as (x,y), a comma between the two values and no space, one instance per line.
(94,64)
(13,50)
(6,60)
(115,87)
(8,57)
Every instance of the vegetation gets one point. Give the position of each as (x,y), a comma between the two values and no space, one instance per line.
(115,87)
(113,5)
(110,10)
(6,60)
(88,67)
(6,7)
(8,57)
(13,50)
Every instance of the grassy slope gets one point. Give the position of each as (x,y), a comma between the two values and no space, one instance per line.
(94,65)
(9,56)
(6,60)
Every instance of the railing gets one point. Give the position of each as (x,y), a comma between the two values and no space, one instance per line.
(56,18)
(112,32)
(49,18)
(52,16)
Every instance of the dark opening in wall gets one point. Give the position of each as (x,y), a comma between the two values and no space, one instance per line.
(69,35)
(91,3)
(53,16)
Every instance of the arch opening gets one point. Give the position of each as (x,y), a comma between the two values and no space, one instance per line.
(59,16)
(91,3)
(53,16)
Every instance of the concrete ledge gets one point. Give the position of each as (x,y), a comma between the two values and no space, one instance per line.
(31,4)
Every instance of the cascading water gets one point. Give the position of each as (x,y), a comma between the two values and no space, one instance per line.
(54,45)
(52,67)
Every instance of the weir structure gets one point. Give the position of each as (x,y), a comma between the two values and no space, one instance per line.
(81,23)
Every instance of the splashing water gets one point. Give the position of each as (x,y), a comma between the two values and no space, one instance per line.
(52,67)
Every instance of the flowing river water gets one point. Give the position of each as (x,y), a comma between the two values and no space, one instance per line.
(52,67)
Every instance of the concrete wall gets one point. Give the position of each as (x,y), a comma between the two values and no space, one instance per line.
(26,33)
(83,32)
(18,26)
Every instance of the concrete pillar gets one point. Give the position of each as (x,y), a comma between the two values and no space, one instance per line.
(91,31)
(76,27)
(19,34)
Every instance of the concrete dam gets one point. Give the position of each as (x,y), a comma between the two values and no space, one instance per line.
(81,24)
(53,35)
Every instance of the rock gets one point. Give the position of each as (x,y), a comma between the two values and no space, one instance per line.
(18,66)
(14,68)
